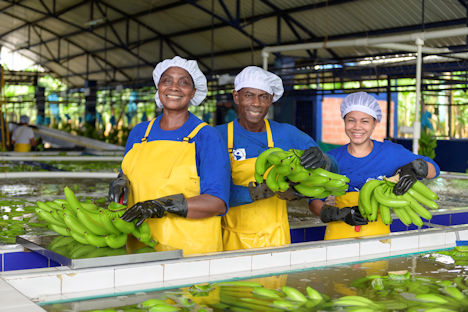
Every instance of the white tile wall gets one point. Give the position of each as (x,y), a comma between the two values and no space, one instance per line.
(433,239)
(399,243)
(317,254)
(463,234)
(269,260)
(347,250)
(374,247)
(181,270)
(80,281)
(139,275)
(450,239)
(35,286)
(230,265)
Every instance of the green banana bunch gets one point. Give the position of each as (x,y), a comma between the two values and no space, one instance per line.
(376,197)
(278,168)
(89,224)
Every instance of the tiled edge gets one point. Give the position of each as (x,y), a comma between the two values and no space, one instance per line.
(140,274)
(186,269)
(229,265)
(13,300)
(270,260)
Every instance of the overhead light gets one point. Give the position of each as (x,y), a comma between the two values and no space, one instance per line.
(95,22)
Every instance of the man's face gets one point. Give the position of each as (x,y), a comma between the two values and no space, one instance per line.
(253,104)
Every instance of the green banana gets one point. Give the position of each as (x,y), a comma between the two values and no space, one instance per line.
(116,241)
(64,231)
(266,292)
(91,222)
(79,237)
(420,210)
(95,240)
(330,175)
(385,214)
(238,283)
(402,215)
(74,223)
(47,216)
(314,180)
(106,222)
(261,163)
(71,199)
(423,199)
(365,195)
(424,190)
(309,191)
(123,226)
(379,193)
(434,298)
(373,214)
(271,180)
(294,294)
(415,219)
(313,294)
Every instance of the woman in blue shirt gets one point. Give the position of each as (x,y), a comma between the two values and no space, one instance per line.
(364,158)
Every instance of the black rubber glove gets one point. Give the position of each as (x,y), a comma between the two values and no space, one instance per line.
(290,194)
(155,208)
(350,215)
(118,188)
(409,174)
(314,158)
(259,191)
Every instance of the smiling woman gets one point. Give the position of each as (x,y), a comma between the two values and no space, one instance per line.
(363,159)
(175,172)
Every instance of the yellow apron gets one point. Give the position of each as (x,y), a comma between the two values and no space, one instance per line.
(263,223)
(161,168)
(22,147)
(340,229)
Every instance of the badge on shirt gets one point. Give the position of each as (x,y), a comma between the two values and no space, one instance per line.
(239,154)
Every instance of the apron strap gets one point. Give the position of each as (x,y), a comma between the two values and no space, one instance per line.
(230,136)
(269,135)
(148,130)
(194,132)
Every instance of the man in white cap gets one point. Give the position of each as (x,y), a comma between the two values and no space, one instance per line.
(362,159)
(175,172)
(22,137)
(258,216)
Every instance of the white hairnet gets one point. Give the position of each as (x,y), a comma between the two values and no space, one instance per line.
(258,78)
(361,102)
(192,68)
(24,119)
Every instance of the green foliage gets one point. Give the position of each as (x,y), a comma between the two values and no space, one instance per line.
(427,143)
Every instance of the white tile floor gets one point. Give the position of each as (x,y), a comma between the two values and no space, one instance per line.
(40,285)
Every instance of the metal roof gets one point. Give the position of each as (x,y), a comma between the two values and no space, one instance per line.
(120,41)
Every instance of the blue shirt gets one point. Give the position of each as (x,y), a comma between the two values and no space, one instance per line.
(212,158)
(384,159)
(248,144)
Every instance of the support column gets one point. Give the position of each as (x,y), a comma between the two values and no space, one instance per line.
(39,94)
(90,103)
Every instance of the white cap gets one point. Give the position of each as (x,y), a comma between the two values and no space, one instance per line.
(24,119)
(361,102)
(258,78)
(192,68)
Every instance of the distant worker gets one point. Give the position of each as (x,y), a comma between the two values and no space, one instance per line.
(23,136)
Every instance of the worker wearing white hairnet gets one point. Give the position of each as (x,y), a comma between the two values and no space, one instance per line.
(175,172)
(258,216)
(362,159)
(22,137)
